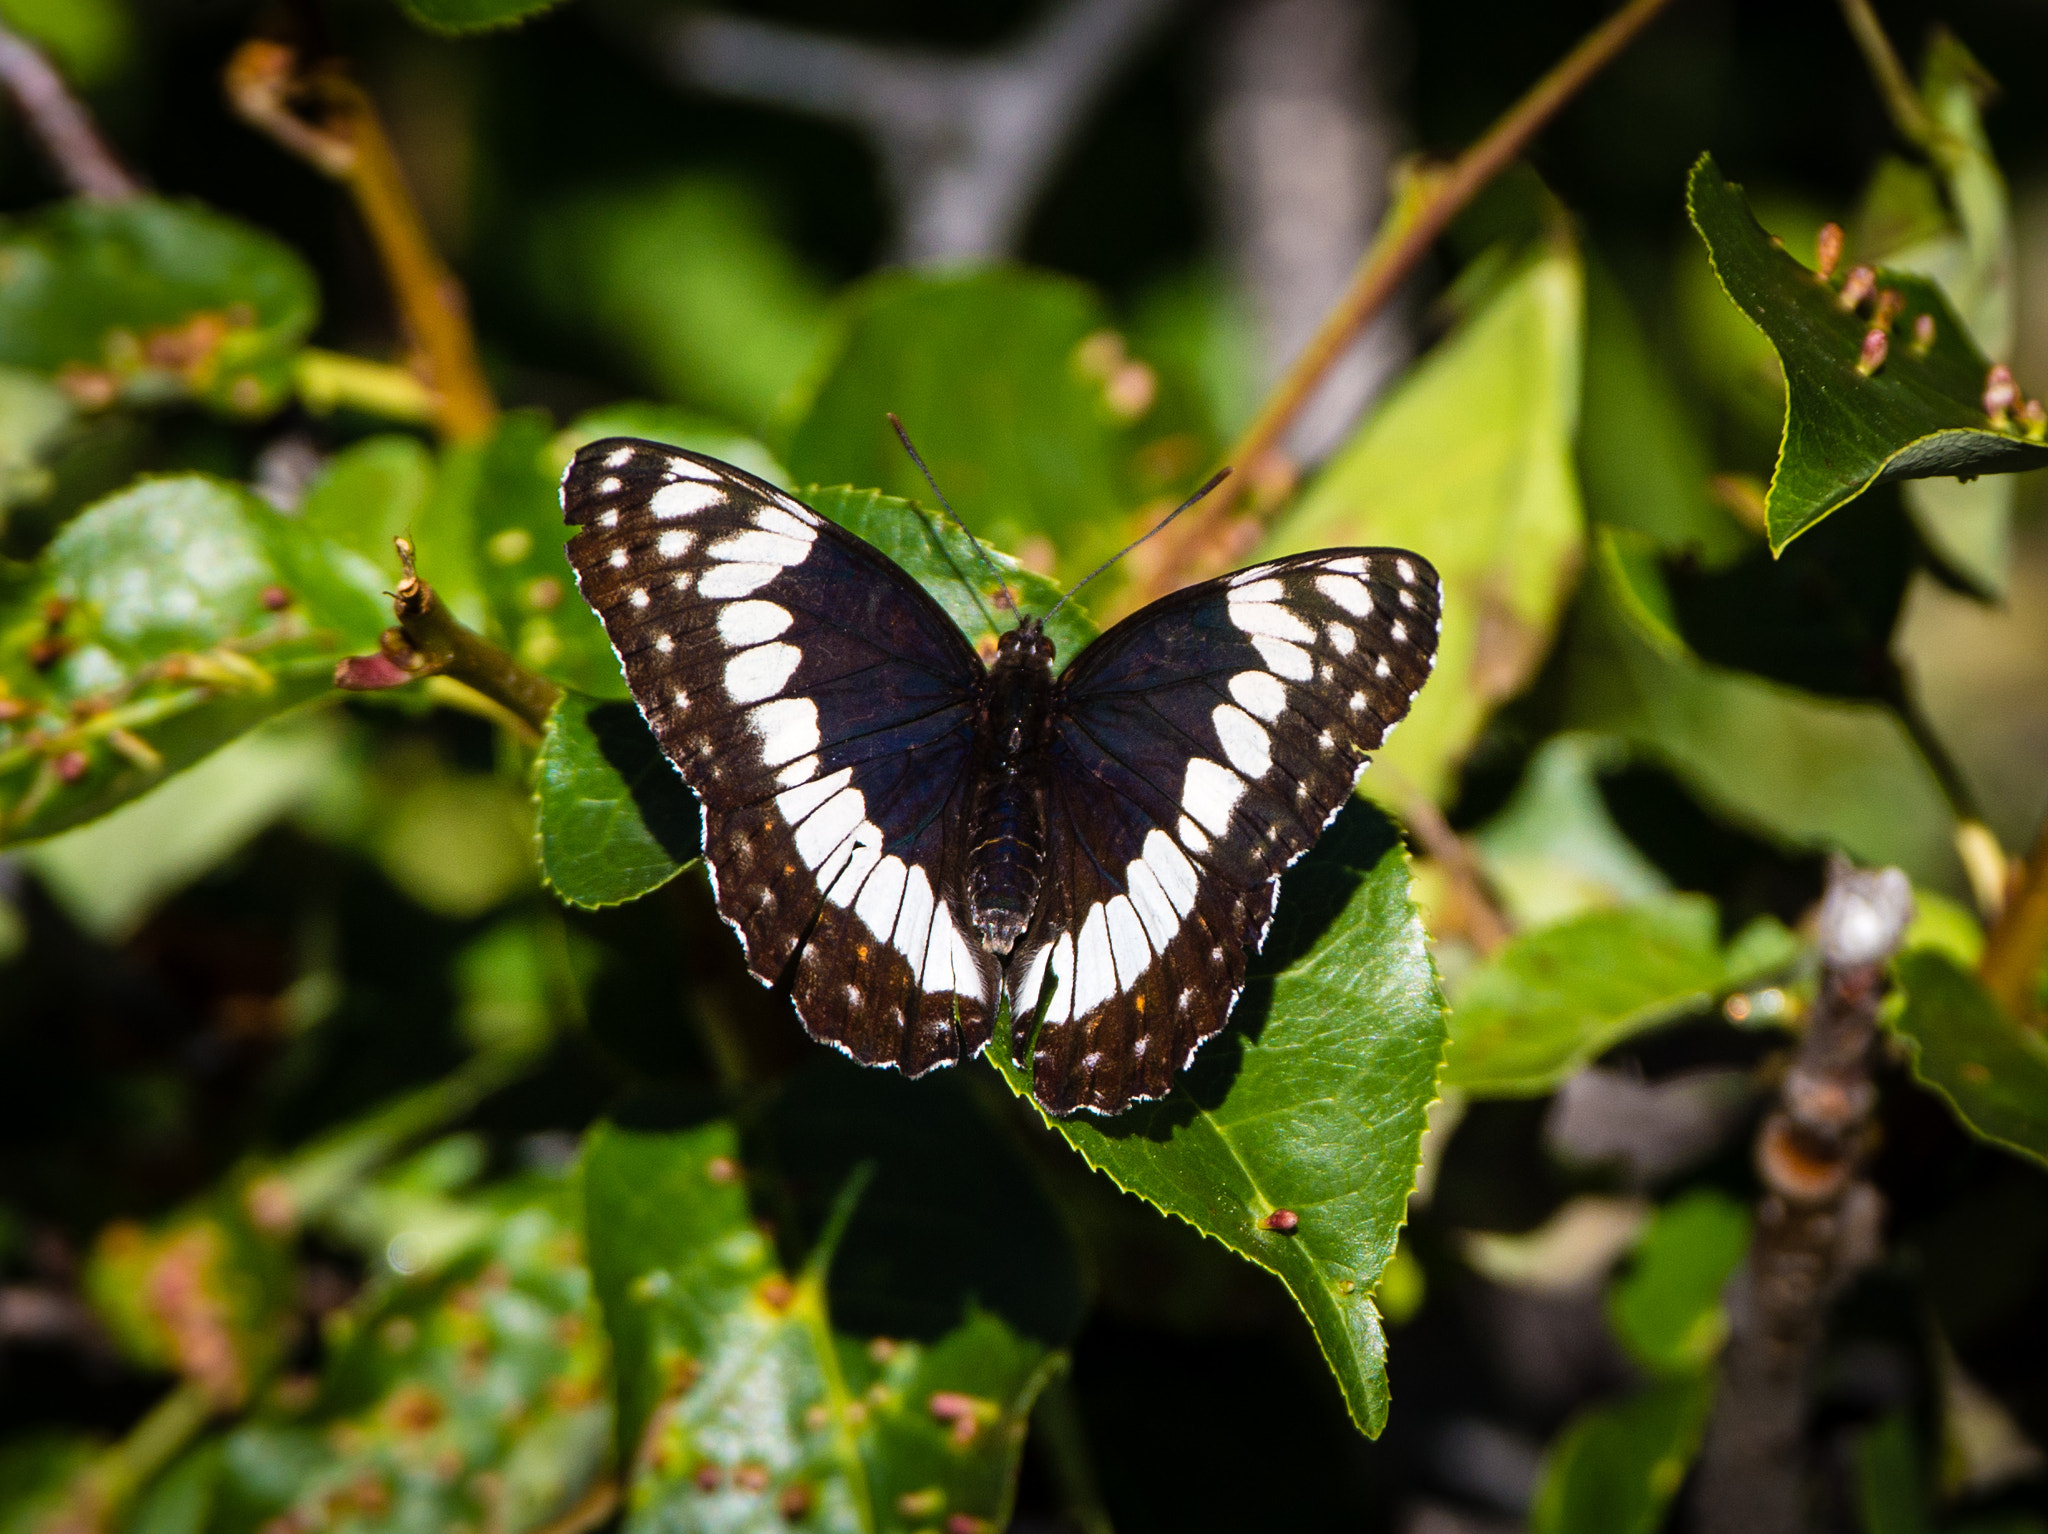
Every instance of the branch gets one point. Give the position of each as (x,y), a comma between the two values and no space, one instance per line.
(1817,1220)
(108,1483)
(61,123)
(1908,113)
(2018,944)
(966,144)
(1477,914)
(1205,542)
(431,641)
(326,119)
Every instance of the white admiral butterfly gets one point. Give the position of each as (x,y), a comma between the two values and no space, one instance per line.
(902,833)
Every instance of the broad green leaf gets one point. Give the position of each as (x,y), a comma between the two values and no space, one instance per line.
(1667,1308)
(931,550)
(1921,414)
(1554,999)
(1035,423)
(1992,1073)
(158,630)
(689,282)
(1553,851)
(34,416)
(150,300)
(1642,464)
(613,820)
(1891,1490)
(1614,1469)
(1806,770)
(1313,1100)
(1469,462)
(740,1406)
(368,495)
(517,520)
(36,1472)
(472,15)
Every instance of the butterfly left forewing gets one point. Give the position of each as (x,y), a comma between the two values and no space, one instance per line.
(820,704)
(1201,746)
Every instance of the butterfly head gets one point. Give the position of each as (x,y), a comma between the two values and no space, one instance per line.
(1025,645)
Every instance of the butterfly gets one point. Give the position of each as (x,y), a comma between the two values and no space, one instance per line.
(904,834)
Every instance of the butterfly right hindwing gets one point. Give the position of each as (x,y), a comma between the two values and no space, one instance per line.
(821,705)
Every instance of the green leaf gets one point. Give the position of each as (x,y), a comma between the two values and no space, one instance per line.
(36,1473)
(35,416)
(1667,1308)
(1553,851)
(1992,1073)
(676,427)
(90,40)
(1312,1101)
(1805,770)
(1614,1469)
(1020,398)
(1891,1492)
(458,16)
(931,550)
(1552,1000)
(158,630)
(1469,462)
(1919,415)
(368,495)
(690,282)
(739,1405)
(151,300)
(613,820)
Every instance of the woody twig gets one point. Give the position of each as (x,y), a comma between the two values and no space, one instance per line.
(61,124)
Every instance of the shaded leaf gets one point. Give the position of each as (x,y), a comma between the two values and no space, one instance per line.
(1469,462)
(1891,1491)
(1554,999)
(740,1408)
(1920,414)
(148,299)
(1019,396)
(36,1472)
(1805,770)
(1614,1469)
(1313,1100)
(1667,1308)
(157,630)
(472,15)
(613,820)
(1992,1073)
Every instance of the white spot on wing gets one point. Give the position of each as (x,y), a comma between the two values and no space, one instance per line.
(1259,692)
(752,623)
(610,518)
(799,771)
(1255,589)
(797,804)
(609,485)
(1407,570)
(1150,902)
(866,853)
(1269,619)
(760,672)
(619,559)
(618,458)
(1290,661)
(1349,594)
(1094,974)
(639,598)
(824,832)
(675,544)
(1245,740)
(1127,942)
(1176,875)
(1209,793)
(914,919)
(1029,983)
(938,974)
(1191,836)
(788,728)
(1354,564)
(725,581)
(665,644)
(882,896)
(763,548)
(1062,1008)
(685,498)
(1341,638)
(1399,630)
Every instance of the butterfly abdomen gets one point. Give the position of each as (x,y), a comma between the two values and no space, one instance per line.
(1006,843)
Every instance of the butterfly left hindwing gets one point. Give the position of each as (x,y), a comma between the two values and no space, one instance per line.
(820,704)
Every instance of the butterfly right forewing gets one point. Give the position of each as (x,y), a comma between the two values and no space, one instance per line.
(821,705)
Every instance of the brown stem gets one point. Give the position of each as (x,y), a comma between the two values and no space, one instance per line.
(1817,1220)
(431,641)
(328,120)
(1205,542)
(1908,113)
(1482,920)
(2018,944)
(61,123)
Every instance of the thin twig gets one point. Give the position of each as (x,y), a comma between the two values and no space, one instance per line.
(431,641)
(1483,921)
(109,1481)
(61,123)
(325,118)
(2018,945)
(1908,113)
(1205,544)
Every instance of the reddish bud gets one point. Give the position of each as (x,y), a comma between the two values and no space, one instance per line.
(369,673)
(1923,335)
(751,1477)
(1890,301)
(1828,251)
(2034,421)
(12,709)
(777,1292)
(1285,1221)
(708,1477)
(967,1523)
(796,1502)
(72,765)
(276,598)
(1999,393)
(1875,345)
(1857,286)
(722,1170)
(47,651)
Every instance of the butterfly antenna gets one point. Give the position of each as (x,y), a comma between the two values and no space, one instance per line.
(1009,597)
(1214,480)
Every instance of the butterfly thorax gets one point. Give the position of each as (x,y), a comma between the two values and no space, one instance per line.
(1006,851)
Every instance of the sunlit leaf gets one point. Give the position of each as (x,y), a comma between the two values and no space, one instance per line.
(613,819)
(1992,1073)
(1469,462)
(740,1407)
(1667,1308)
(1039,427)
(1805,770)
(34,414)
(1312,1101)
(367,495)
(151,300)
(1556,998)
(1919,414)
(1614,1469)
